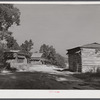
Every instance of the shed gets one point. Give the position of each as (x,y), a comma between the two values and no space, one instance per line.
(37,58)
(15,58)
(84,58)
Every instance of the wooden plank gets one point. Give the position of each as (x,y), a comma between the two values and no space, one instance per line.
(90,57)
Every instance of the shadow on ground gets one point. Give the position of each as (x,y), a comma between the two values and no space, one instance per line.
(39,80)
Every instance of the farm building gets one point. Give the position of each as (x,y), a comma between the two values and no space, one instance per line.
(37,58)
(84,58)
(15,58)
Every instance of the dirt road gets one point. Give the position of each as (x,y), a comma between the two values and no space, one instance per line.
(40,80)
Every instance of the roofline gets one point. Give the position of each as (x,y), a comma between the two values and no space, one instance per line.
(73,48)
(83,47)
(19,53)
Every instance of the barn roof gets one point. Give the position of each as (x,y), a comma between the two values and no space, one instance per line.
(14,51)
(37,55)
(91,45)
(18,52)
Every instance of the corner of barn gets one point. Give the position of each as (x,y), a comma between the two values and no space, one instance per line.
(84,58)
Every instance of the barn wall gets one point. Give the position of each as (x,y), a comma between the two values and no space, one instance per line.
(90,59)
(36,62)
(74,60)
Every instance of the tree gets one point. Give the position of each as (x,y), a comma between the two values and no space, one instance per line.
(12,43)
(60,61)
(50,54)
(45,50)
(27,46)
(9,15)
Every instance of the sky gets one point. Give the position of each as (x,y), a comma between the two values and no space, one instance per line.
(63,26)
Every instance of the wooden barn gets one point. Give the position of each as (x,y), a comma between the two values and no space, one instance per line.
(84,58)
(16,58)
(37,59)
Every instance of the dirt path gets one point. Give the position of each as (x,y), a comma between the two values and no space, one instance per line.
(73,82)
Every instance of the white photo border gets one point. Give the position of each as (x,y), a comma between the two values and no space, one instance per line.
(31,94)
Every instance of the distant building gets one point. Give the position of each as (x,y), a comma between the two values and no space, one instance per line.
(37,58)
(15,58)
(84,58)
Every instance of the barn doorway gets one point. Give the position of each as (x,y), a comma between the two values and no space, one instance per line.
(76,67)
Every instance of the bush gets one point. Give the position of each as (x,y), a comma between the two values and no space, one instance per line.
(50,54)
(60,61)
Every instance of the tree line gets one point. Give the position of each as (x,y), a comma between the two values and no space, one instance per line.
(50,53)
(10,15)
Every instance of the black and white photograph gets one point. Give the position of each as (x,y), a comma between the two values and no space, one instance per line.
(49,46)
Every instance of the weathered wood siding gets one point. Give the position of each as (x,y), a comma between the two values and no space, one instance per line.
(90,59)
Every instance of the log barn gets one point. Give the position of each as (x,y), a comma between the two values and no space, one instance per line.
(84,58)
(16,58)
(37,59)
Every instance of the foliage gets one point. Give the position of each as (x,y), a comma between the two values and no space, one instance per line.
(27,46)
(50,53)
(12,43)
(9,15)
(60,61)
(45,50)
